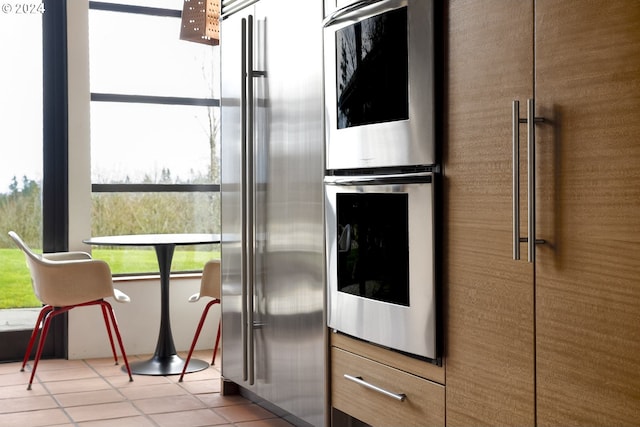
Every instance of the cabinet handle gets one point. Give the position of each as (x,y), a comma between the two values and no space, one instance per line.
(358,380)
(531,180)
(516,178)
(531,121)
(531,174)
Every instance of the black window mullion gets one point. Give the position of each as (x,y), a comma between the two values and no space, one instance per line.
(155,188)
(55,192)
(55,146)
(141,10)
(151,99)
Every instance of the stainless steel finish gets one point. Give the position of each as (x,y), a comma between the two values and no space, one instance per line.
(531,181)
(272,198)
(516,178)
(397,396)
(402,142)
(406,178)
(345,11)
(345,311)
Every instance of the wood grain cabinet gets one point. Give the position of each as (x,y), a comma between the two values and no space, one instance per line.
(408,392)
(555,341)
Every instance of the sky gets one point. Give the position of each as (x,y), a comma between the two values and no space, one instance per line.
(20,97)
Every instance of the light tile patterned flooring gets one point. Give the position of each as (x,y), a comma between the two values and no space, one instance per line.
(96,392)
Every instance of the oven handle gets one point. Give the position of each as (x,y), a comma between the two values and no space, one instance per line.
(405,178)
(341,13)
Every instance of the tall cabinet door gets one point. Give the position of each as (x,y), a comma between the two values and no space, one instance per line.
(588,155)
(489,318)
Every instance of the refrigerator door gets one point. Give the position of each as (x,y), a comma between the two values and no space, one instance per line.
(233,207)
(272,205)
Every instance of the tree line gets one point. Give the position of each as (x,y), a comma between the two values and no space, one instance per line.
(124,213)
(21,211)
(112,213)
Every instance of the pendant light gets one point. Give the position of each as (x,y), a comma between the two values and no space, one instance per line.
(201,21)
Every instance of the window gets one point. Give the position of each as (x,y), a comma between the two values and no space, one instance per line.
(154,139)
(20,152)
(34,150)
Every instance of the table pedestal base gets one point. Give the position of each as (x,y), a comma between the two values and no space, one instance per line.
(171,365)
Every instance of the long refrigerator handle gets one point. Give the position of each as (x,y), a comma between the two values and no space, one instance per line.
(531,121)
(251,193)
(243,192)
(248,194)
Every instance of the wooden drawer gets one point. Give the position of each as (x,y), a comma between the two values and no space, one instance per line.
(387,357)
(423,406)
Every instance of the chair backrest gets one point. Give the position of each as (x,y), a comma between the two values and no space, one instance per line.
(210,284)
(68,281)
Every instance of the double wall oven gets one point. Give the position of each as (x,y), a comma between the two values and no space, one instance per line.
(381,172)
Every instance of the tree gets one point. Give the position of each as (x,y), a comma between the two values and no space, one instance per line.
(21,211)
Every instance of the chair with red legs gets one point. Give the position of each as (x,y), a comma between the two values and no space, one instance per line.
(209,287)
(63,281)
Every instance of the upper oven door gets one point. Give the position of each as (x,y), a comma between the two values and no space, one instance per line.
(379,84)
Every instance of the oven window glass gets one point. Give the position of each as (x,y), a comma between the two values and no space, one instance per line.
(373,246)
(372,70)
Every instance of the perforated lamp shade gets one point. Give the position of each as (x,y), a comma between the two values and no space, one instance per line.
(201,21)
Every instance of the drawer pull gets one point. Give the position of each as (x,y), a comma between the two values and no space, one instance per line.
(358,380)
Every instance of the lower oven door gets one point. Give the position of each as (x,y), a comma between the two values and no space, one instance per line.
(380,260)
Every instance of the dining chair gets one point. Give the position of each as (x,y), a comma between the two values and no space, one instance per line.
(209,287)
(66,280)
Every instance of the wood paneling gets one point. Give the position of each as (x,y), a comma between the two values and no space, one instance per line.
(588,274)
(489,306)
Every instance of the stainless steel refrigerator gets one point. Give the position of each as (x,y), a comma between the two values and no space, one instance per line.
(273,340)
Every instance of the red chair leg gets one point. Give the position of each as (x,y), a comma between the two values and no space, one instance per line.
(49,313)
(117,331)
(46,309)
(197,334)
(215,348)
(106,323)
(43,337)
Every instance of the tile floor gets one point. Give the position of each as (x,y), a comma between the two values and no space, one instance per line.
(95,392)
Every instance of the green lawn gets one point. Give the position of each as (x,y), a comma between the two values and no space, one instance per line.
(15,282)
